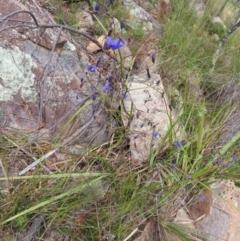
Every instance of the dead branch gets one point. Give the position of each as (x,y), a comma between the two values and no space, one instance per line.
(27,24)
(32,231)
(17,12)
(37,25)
(64,143)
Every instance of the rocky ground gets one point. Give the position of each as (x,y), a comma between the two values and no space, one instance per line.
(47,74)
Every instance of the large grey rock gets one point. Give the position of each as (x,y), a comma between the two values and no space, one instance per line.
(42,88)
(139,18)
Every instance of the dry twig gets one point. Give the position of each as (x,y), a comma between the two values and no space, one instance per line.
(64,143)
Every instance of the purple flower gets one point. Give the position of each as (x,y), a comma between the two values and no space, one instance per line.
(190,79)
(131,79)
(188,176)
(115,44)
(92,68)
(122,25)
(110,78)
(117,76)
(153,56)
(220,163)
(98,61)
(116,124)
(202,198)
(96,7)
(228,164)
(234,158)
(94,96)
(106,45)
(148,73)
(107,87)
(155,135)
(174,165)
(178,144)
(124,95)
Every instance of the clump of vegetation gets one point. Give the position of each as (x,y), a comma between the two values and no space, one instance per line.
(102,194)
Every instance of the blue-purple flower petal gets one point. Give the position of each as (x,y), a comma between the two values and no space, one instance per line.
(178,144)
(94,96)
(228,164)
(122,25)
(98,61)
(107,87)
(188,176)
(202,198)
(115,44)
(153,56)
(155,135)
(124,95)
(220,163)
(234,159)
(110,79)
(96,7)
(92,68)
(106,45)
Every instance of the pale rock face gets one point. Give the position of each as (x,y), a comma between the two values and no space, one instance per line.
(148,232)
(146,111)
(140,18)
(85,20)
(126,56)
(223,220)
(198,6)
(116,25)
(183,218)
(218,20)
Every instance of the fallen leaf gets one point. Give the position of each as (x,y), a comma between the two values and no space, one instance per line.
(92,47)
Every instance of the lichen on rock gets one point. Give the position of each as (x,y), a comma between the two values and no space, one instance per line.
(16,75)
